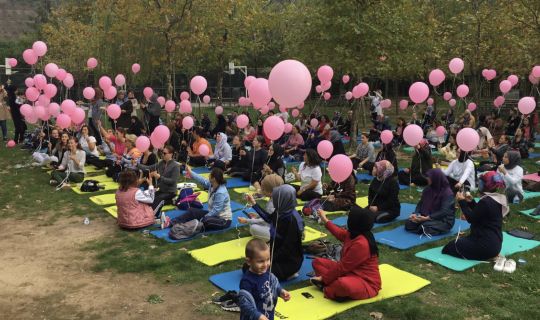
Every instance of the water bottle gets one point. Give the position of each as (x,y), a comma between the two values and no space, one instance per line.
(515,200)
(86,221)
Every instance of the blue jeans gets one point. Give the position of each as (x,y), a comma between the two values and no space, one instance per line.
(3,124)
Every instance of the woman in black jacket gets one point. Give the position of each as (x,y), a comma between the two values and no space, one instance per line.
(239,162)
(420,165)
(383,196)
(387,153)
(256,159)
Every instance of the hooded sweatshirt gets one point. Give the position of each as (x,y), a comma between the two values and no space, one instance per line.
(222,150)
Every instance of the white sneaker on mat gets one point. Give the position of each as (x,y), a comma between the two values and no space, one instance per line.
(499,263)
(509,266)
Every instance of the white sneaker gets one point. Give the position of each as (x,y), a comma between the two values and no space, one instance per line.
(509,266)
(499,263)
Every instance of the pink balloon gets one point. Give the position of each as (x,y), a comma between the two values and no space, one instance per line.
(295,113)
(155,141)
(29,82)
(248,80)
(403,104)
(533,80)
(204,150)
(345,79)
(218,110)
(242,121)
(51,69)
(386,103)
(161,100)
(10,144)
(289,83)
(135,68)
(471,107)
(187,123)
(325,86)
(462,90)
(436,77)
(120,80)
(467,139)
(243,102)
(282,109)
(452,102)
(273,127)
(63,121)
(40,112)
(430,101)
(43,100)
(485,73)
(536,71)
(325,149)
(348,95)
(78,116)
(110,93)
(91,63)
(340,168)
(456,65)
(271,105)
(26,109)
(30,57)
(89,93)
(185,106)
(288,127)
(259,93)
(198,84)
(170,106)
(314,122)
(505,86)
(206,99)
(327,96)
(40,48)
(325,73)
(387,136)
(526,105)
(31,118)
(32,94)
(301,106)
(148,92)
(413,134)
(50,90)
(68,81)
(513,79)
(418,92)
(447,96)
(40,81)
(499,101)
(491,74)
(264,110)
(12,62)
(360,90)
(318,88)
(53,109)
(162,133)
(61,74)
(440,131)
(184,95)
(105,82)
(114,111)
(142,143)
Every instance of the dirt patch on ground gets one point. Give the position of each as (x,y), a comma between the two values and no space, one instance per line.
(45,275)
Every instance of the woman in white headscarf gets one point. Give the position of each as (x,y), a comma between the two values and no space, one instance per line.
(222,152)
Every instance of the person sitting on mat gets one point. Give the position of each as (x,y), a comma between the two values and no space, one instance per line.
(340,196)
(222,152)
(257,226)
(387,153)
(195,158)
(364,158)
(485,238)
(133,204)
(286,229)
(219,213)
(460,173)
(435,212)
(274,164)
(383,194)
(420,164)
(294,143)
(259,288)
(71,169)
(166,172)
(239,162)
(310,174)
(356,275)
(512,174)
(256,159)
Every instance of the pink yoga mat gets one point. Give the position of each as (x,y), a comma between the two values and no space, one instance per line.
(532,176)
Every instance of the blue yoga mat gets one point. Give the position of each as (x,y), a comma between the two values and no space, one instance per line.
(164,234)
(534,155)
(200,170)
(405,212)
(236,182)
(364,177)
(400,239)
(230,281)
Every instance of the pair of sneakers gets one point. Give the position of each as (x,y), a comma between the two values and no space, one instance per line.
(504,265)
(164,221)
(228,301)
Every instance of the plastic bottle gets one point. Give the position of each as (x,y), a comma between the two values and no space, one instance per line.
(86,221)
(516,199)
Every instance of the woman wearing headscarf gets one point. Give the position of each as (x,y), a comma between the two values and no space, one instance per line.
(356,275)
(512,173)
(420,164)
(286,229)
(335,138)
(222,152)
(485,238)
(274,165)
(387,153)
(435,212)
(340,196)
(383,195)
(460,172)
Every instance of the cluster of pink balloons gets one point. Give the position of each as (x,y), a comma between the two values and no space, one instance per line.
(31,56)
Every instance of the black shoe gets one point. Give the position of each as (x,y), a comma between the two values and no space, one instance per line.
(228,296)
(319,284)
(230,306)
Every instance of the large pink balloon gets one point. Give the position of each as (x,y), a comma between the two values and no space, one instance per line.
(206,99)
(259,93)
(78,116)
(452,102)
(61,74)
(325,73)
(499,101)
(325,149)
(204,150)
(505,86)
(40,112)
(436,77)
(360,90)
(184,95)
(161,100)
(31,117)
(440,130)
(187,123)
(148,92)
(533,79)
(26,109)
(242,121)
(30,57)
(345,79)
(120,80)
(162,133)
(110,93)
(198,84)
(89,93)
(536,71)
(325,86)
(218,110)
(430,101)
(413,134)
(29,82)
(273,127)
(526,105)
(248,80)
(142,143)
(53,109)
(471,106)
(51,69)
(114,111)
(68,81)
(467,139)
(155,141)
(403,104)
(63,121)
(105,82)
(447,96)
(456,65)
(386,136)
(91,63)
(462,90)
(418,92)
(40,48)
(348,95)
(386,103)
(12,62)
(491,74)
(40,81)
(170,106)
(135,68)
(32,94)
(513,79)
(288,127)
(50,90)
(43,100)
(314,123)
(10,144)
(289,83)
(185,106)
(340,168)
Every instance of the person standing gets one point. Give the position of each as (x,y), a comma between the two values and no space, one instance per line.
(94,115)
(15,108)
(3,112)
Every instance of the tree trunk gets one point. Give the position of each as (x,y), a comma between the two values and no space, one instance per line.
(219,87)
(354,129)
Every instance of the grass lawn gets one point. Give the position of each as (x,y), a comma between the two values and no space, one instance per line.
(478,293)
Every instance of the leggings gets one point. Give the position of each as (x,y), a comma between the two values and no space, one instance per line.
(161,199)
(307,195)
(3,125)
(59,176)
(210,222)
(384,216)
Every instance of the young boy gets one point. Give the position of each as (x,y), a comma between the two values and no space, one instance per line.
(259,288)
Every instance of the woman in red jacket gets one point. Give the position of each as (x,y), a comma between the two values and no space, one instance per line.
(356,274)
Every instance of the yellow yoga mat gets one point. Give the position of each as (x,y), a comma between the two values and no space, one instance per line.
(113,210)
(92,169)
(109,185)
(395,282)
(362,202)
(235,249)
(108,199)
(100,178)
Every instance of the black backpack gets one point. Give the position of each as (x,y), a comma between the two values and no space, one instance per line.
(90,186)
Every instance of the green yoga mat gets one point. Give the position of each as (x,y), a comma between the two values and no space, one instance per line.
(529,213)
(510,246)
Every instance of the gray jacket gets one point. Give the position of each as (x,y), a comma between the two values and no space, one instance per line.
(169,172)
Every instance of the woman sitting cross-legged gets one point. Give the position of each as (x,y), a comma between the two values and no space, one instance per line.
(222,152)
(273,165)
(435,212)
(383,196)
(512,174)
(340,196)
(421,162)
(219,214)
(485,239)
(356,275)
(310,174)
(134,210)
(461,173)
(71,169)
